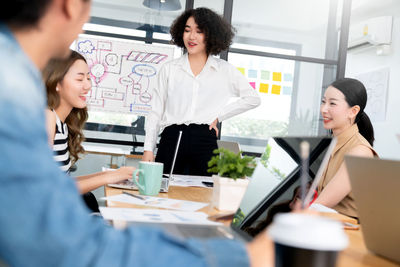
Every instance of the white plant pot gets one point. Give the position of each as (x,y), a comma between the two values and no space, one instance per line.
(227,193)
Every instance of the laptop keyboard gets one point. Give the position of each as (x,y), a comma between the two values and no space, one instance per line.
(129,184)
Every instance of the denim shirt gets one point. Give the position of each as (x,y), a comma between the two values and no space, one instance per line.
(43,221)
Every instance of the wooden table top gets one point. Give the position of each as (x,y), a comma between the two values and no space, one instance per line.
(355,255)
(198,194)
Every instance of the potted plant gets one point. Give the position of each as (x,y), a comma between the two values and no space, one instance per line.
(231,180)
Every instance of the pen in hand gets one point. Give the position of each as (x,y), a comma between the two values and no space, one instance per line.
(133,195)
(304,153)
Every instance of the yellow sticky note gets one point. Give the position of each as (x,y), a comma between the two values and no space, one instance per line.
(365,30)
(264,87)
(242,70)
(276,89)
(277,76)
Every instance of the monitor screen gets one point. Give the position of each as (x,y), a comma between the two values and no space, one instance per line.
(276,180)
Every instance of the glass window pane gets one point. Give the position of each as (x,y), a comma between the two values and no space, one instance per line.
(216,5)
(300,23)
(113,29)
(138,13)
(290,94)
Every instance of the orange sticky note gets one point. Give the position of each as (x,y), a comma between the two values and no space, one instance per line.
(276,89)
(277,76)
(264,87)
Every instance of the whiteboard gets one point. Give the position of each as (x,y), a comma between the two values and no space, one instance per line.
(376,82)
(122,72)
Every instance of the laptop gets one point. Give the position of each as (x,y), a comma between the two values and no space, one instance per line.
(231,146)
(129,184)
(375,184)
(272,180)
(167,178)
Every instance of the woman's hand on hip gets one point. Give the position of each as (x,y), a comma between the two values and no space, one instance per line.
(213,125)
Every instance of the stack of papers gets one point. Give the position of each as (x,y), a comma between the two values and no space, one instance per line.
(159,202)
(155,216)
(322,208)
(180,211)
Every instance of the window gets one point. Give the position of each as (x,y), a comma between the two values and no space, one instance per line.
(289,57)
(288,50)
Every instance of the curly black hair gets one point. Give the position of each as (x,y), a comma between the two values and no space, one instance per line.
(218,32)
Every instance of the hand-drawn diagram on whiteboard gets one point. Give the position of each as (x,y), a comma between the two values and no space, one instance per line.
(122,73)
(376,82)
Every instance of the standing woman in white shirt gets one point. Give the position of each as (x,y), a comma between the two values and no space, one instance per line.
(193,94)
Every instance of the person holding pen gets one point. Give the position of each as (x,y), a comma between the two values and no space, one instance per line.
(193,93)
(56,228)
(67,82)
(342,109)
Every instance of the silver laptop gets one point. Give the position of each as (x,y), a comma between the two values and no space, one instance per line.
(375,184)
(273,180)
(129,184)
(167,178)
(231,146)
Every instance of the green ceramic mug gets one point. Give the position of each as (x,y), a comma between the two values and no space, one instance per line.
(150,177)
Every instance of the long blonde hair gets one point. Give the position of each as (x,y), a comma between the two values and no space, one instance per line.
(54,73)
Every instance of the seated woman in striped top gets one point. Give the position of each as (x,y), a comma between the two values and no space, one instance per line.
(67,82)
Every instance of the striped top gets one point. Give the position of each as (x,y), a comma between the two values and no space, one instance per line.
(60,147)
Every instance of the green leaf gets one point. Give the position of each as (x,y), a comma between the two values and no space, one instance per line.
(229,164)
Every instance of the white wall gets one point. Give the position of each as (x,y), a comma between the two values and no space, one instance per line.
(386,144)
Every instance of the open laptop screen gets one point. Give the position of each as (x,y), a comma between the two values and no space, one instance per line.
(275,179)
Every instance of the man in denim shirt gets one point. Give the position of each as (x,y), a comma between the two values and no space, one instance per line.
(43,221)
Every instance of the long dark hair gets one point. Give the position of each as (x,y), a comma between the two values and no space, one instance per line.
(356,94)
(54,73)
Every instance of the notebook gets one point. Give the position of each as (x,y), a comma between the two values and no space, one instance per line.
(375,184)
(275,174)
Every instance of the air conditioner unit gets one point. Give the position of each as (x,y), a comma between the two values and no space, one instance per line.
(374,32)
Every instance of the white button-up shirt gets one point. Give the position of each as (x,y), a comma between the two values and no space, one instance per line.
(182,98)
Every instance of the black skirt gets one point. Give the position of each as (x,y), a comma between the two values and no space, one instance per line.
(195,150)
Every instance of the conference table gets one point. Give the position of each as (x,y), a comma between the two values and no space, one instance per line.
(355,255)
